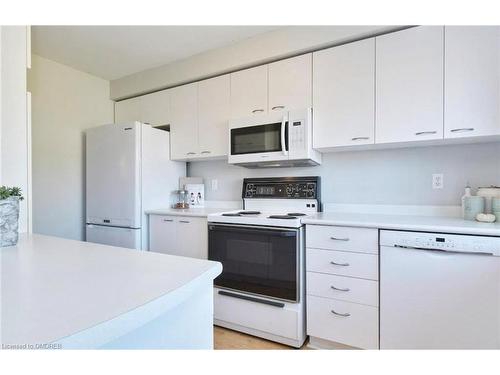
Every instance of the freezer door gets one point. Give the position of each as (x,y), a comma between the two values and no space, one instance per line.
(114,236)
(113,175)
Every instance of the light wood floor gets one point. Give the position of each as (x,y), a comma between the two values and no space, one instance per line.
(226,339)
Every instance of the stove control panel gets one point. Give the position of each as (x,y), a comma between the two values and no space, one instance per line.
(289,188)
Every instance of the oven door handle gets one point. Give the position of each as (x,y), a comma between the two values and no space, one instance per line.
(269,232)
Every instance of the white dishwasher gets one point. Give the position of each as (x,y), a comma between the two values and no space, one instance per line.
(439,291)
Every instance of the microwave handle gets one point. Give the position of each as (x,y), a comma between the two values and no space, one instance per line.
(283,140)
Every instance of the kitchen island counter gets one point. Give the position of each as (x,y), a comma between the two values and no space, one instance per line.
(74,294)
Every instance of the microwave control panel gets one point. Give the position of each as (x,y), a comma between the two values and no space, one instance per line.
(296,188)
(297,135)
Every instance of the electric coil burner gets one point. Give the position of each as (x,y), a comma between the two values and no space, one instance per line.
(261,289)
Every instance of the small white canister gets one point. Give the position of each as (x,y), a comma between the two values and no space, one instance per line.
(495,208)
(488,193)
(473,205)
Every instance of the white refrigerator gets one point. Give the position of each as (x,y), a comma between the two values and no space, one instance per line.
(128,171)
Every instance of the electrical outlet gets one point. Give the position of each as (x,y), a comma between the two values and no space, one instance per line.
(437,181)
(215,185)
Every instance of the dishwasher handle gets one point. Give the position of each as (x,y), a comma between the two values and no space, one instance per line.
(445,251)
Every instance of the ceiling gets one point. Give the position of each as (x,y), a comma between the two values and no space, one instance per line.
(112,52)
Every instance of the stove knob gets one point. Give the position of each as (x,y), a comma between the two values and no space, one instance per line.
(310,194)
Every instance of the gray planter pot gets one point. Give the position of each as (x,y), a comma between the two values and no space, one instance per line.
(9,221)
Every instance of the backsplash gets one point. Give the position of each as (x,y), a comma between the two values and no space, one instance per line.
(392,177)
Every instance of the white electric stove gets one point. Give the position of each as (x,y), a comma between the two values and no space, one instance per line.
(261,289)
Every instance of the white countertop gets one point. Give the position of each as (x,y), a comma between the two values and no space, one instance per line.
(405,222)
(53,287)
(198,212)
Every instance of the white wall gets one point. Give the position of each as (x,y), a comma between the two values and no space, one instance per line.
(65,102)
(14,127)
(260,49)
(395,176)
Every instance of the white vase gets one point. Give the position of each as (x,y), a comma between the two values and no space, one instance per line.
(9,221)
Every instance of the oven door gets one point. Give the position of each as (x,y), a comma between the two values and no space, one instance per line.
(257,260)
(258,139)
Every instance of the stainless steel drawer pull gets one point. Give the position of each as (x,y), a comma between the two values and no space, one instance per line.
(257,110)
(206,152)
(339,239)
(341,314)
(339,264)
(191,153)
(340,289)
(459,130)
(360,138)
(425,133)
(278,107)
(184,221)
(168,220)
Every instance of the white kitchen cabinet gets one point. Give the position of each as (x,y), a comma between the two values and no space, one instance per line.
(179,235)
(214,103)
(152,109)
(249,92)
(409,85)
(128,110)
(472,81)
(290,83)
(342,286)
(344,95)
(184,122)
(155,108)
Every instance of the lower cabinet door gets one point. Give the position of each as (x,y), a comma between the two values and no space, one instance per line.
(192,237)
(163,235)
(343,322)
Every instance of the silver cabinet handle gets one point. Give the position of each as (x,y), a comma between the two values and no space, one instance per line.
(339,264)
(278,107)
(206,152)
(340,289)
(184,221)
(460,130)
(341,314)
(190,153)
(339,239)
(360,138)
(257,110)
(426,132)
(168,220)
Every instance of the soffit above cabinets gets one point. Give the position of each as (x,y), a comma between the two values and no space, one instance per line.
(111,52)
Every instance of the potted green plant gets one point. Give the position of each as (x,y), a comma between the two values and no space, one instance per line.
(9,215)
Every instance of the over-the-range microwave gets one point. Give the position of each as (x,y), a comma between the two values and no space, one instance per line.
(273,140)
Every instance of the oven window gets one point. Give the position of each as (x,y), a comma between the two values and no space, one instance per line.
(255,260)
(257,139)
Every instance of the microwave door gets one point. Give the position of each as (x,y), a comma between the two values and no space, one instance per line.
(259,143)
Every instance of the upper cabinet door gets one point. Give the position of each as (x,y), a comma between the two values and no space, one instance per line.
(249,92)
(290,83)
(472,81)
(128,110)
(155,108)
(184,122)
(344,95)
(214,103)
(409,85)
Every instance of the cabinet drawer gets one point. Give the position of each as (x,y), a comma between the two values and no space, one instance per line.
(343,288)
(342,263)
(361,240)
(359,328)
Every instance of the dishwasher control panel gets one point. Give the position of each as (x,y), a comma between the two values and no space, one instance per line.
(441,241)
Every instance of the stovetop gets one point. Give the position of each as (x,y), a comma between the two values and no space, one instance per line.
(265,218)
